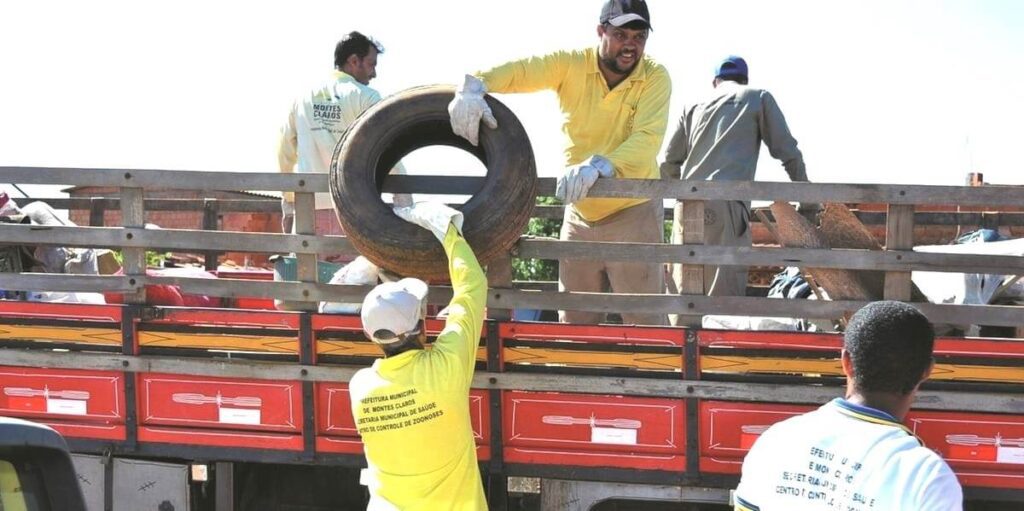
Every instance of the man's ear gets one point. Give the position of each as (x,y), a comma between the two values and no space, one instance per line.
(352,60)
(928,371)
(600,30)
(847,362)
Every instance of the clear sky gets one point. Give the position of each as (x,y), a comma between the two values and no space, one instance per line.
(888,91)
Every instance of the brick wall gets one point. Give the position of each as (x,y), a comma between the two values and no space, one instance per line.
(229,221)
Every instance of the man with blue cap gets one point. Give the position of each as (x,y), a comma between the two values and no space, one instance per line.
(719,140)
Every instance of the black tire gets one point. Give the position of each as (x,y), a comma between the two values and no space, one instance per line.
(495,215)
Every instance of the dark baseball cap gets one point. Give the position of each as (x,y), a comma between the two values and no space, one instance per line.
(731,67)
(620,12)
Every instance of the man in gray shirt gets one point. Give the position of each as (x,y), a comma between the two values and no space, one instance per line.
(719,140)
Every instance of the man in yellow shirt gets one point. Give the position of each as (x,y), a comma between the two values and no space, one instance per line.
(412,407)
(615,103)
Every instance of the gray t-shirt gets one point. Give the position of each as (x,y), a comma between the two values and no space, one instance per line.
(720,139)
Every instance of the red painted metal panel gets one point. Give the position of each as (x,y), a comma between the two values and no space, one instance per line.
(986,348)
(334,411)
(220,403)
(255,303)
(351,323)
(65,311)
(769,340)
(802,341)
(339,445)
(221,438)
(728,429)
(87,404)
(656,336)
(337,322)
(592,430)
(480,416)
(230,318)
(983,449)
(249,302)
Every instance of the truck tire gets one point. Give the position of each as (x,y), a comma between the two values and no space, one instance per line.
(495,215)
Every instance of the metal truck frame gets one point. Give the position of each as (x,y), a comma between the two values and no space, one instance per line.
(596,412)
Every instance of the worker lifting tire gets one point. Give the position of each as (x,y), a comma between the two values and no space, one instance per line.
(495,215)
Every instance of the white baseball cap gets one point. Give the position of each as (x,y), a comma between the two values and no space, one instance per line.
(394,308)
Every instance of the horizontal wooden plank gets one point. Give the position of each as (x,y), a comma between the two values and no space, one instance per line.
(64,282)
(810,192)
(197,205)
(552,212)
(538,248)
(165,179)
(679,389)
(541,248)
(69,334)
(593,358)
(961,371)
(996,315)
(206,180)
(651,188)
(173,239)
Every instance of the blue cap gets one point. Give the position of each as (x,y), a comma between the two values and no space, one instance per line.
(732,67)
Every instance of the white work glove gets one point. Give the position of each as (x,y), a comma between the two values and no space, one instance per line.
(468,108)
(403,200)
(287,216)
(432,216)
(577,180)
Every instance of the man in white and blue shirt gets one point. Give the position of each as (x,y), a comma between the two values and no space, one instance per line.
(854,453)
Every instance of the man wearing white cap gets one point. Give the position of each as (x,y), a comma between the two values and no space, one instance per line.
(412,407)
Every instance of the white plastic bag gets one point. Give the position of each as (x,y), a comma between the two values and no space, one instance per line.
(66,297)
(359,272)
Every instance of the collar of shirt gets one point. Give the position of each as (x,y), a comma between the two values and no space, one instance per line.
(341,75)
(729,86)
(639,73)
(383,366)
(868,414)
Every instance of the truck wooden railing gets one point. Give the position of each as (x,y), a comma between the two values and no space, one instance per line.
(898,262)
(711,391)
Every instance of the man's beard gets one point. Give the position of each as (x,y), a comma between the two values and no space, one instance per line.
(613,65)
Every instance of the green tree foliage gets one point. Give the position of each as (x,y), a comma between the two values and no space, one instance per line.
(153,259)
(539,269)
(544,270)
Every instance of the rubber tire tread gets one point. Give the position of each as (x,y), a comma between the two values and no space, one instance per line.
(495,216)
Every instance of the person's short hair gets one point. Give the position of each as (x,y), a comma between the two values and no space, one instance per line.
(890,344)
(407,341)
(742,80)
(354,43)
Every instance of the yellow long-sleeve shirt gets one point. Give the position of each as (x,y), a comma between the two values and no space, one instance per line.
(412,410)
(625,124)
